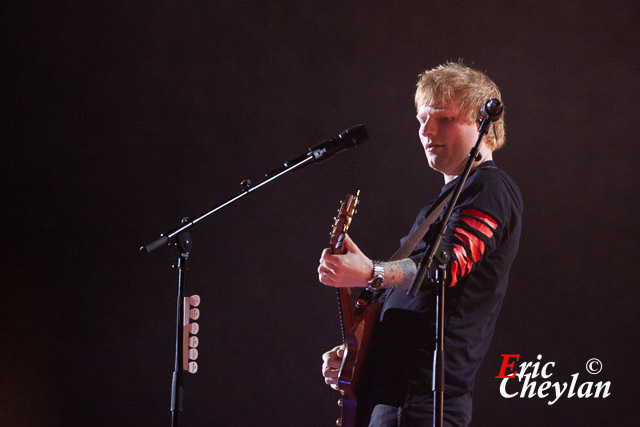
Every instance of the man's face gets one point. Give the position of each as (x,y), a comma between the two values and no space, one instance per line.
(447,137)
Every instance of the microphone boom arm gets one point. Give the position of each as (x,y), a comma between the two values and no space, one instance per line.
(347,139)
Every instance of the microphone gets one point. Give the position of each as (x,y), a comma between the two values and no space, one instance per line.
(492,109)
(348,138)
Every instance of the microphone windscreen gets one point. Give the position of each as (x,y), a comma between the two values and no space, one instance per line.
(354,135)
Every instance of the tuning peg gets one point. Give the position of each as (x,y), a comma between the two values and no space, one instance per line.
(194,314)
(339,422)
(193,342)
(193,367)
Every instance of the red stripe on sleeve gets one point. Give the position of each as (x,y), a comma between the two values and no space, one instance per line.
(483,224)
(469,240)
(478,226)
(462,259)
(481,216)
(454,274)
(473,242)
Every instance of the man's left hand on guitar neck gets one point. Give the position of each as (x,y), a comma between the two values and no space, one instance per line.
(349,270)
(353,269)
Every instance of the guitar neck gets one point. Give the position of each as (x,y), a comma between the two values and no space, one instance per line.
(347,316)
(345,301)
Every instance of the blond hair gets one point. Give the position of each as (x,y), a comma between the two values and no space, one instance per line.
(469,88)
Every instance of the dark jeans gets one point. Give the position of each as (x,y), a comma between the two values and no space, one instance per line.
(417,411)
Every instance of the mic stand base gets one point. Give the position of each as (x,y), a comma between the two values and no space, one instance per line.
(438,354)
(183,246)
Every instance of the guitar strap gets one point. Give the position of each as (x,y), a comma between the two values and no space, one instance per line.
(410,244)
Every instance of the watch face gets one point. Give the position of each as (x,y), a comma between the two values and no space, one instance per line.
(375,285)
(377,276)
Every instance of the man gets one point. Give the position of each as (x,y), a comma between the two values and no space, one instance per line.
(482,237)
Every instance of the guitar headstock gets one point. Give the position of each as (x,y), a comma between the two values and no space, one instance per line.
(343,221)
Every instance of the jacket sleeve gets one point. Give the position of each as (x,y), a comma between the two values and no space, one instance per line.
(478,223)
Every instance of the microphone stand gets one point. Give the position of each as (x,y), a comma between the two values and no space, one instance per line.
(436,251)
(180,239)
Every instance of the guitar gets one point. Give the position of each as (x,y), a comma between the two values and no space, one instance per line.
(357,320)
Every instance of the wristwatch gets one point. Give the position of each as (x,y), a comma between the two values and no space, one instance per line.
(377,277)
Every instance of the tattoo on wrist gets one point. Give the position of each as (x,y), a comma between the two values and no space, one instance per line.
(399,274)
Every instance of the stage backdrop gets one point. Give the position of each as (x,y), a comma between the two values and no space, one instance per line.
(121,118)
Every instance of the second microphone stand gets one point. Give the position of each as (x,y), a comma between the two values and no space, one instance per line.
(437,252)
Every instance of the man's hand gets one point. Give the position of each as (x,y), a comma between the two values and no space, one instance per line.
(349,270)
(331,362)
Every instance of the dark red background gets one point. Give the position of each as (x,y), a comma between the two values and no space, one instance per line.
(122,117)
